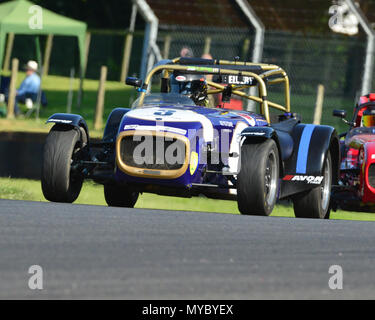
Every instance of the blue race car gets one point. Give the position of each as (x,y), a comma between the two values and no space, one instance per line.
(183,141)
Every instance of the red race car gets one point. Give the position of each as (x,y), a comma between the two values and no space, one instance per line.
(356,188)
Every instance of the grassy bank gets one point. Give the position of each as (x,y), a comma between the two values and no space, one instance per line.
(20,189)
(56,89)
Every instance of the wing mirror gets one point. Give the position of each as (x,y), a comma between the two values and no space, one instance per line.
(342,115)
(134,82)
(339,114)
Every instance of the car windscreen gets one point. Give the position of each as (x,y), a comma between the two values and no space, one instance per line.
(163,99)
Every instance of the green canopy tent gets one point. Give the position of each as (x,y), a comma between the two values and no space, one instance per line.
(15,17)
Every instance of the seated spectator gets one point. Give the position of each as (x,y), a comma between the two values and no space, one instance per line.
(30,86)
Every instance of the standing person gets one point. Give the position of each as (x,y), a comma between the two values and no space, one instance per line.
(29,87)
(186,52)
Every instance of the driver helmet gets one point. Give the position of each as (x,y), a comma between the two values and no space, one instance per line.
(192,85)
(368,118)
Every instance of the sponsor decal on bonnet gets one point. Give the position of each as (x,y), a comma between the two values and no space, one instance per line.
(226,124)
(249,119)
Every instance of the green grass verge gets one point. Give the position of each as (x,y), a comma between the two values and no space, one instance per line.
(56,89)
(21,189)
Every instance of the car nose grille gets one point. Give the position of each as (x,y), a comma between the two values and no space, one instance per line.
(152,154)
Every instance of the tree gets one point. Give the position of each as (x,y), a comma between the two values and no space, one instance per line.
(98,14)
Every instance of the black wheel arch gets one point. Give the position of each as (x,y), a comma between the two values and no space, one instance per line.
(71,120)
(254,135)
(324,139)
(113,122)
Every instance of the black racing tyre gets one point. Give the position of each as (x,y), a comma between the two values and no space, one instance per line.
(315,203)
(120,196)
(62,149)
(257,181)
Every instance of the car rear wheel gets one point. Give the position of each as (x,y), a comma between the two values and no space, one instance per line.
(120,196)
(64,147)
(315,203)
(257,182)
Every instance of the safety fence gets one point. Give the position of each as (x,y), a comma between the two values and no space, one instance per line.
(333,60)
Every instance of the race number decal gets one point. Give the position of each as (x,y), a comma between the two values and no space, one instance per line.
(164,113)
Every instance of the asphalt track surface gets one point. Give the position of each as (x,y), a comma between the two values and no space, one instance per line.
(114,253)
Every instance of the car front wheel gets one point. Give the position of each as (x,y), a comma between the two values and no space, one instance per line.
(63,149)
(120,196)
(257,182)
